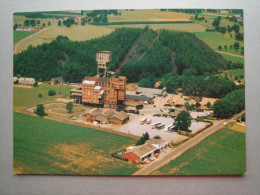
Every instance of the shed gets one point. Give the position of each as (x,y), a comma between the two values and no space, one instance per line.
(103,117)
(158,143)
(119,118)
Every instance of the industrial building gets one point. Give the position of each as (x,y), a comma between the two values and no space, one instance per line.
(101,90)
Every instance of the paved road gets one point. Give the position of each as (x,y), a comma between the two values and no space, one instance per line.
(165,158)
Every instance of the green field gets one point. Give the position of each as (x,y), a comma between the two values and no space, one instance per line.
(24,97)
(43,146)
(233,58)
(237,72)
(18,35)
(214,39)
(224,152)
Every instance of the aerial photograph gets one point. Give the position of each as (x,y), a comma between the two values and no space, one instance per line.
(129,92)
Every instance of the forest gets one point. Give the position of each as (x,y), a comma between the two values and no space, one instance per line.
(178,60)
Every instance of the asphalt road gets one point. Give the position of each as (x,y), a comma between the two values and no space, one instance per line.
(174,153)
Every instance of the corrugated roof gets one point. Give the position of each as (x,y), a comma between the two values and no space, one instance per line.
(143,149)
(107,112)
(120,115)
(95,111)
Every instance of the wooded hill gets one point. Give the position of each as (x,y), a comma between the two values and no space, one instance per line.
(155,55)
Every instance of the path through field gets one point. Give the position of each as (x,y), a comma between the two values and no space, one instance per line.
(231,54)
(32,35)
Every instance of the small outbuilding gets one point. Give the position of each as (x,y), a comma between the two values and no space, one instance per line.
(119,118)
(104,116)
(159,144)
(140,153)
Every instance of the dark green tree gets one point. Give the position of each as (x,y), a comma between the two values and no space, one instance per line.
(183,121)
(142,139)
(43,25)
(49,23)
(236,45)
(40,110)
(59,23)
(69,107)
(208,104)
(35,84)
(15,26)
(51,92)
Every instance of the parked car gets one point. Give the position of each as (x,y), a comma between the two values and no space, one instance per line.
(157,115)
(138,107)
(148,121)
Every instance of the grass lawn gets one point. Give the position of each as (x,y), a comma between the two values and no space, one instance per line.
(214,39)
(232,58)
(25,97)
(43,146)
(18,35)
(224,152)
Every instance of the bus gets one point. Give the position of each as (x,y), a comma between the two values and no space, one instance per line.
(148,121)
(155,125)
(160,127)
(143,121)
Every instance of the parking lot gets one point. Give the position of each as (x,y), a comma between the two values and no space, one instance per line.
(134,127)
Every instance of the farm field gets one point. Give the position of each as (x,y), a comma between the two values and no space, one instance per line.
(214,39)
(24,97)
(18,35)
(221,153)
(74,33)
(148,15)
(233,58)
(43,146)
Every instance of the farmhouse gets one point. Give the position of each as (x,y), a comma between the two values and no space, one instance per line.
(140,153)
(26,81)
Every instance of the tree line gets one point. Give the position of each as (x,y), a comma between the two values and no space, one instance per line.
(72,60)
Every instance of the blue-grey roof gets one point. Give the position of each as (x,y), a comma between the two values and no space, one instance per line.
(137,97)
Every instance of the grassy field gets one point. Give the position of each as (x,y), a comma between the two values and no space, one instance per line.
(24,97)
(224,152)
(148,15)
(43,146)
(18,35)
(75,33)
(233,58)
(214,39)
(237,72)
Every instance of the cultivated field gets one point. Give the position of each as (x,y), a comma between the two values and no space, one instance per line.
(148,15)
(214,39)
(18,35)
(74,33)
(43,146)
(223,152)
(25,97)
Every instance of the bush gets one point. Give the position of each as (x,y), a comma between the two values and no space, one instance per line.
(51,92)
(157,137)
(39,95)
(35,84)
